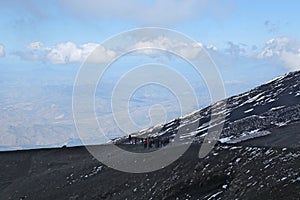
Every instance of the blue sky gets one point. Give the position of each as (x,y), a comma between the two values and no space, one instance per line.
(23,22)
(246,24)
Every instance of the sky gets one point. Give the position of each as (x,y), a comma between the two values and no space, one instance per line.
(30,29)
(44,43)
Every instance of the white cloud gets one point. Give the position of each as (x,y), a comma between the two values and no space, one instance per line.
(64,53)
(2,52)
(187,50)
(282,49)
(292,59)
(211,47)
(99,55)
(69,52)
(274,47)
(35,45)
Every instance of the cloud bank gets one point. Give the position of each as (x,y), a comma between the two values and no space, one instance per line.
(69,52)
(282,49)
(64,53)
(278,50)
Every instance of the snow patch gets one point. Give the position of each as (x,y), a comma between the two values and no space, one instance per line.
(245,136)
(250,110)
(225,140)
(277,108)
(214,195)
(276,79)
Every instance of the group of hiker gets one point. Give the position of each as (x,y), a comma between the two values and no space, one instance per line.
(149,142)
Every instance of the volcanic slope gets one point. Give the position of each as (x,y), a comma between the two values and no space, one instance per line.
(258,157)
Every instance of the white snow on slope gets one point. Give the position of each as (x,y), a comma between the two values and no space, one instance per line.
(250,110)
(245,136)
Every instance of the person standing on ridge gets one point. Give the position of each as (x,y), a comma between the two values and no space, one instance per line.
(129,139)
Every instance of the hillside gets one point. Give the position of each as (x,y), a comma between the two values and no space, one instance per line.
(257,157)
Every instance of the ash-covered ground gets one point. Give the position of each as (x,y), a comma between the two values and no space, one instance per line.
(228,172)
(257,157)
